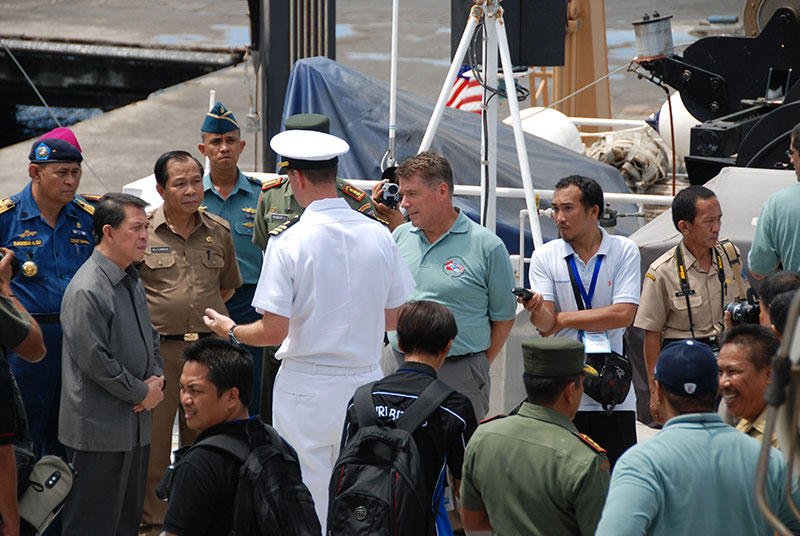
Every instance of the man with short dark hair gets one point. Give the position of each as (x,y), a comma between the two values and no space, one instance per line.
(216,385)
(685,290)
(329,335)
(772,285)
(533,473)
(745,372)
(460,264)
(190,264)
(112,375)
(232,195)
(48,227)
(605,269)
(775,243)
(698,474)
(779,311)
(425,331)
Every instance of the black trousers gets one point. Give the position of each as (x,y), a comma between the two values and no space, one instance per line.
(615,432)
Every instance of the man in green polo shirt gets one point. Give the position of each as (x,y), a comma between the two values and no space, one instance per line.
(550,480)
(457,263)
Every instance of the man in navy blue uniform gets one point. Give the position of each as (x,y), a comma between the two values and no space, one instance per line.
(49,230)
(231,194)
(425,331)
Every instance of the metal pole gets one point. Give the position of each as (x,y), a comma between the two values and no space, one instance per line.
(212,100)
(393,84)
(455,65)
(519,137)
(489,125)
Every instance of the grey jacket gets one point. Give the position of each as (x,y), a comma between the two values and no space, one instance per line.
(110,347)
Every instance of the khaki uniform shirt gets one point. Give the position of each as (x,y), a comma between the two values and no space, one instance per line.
(661,310)
(277,205)
(534,475)
(184,277)
(756,428)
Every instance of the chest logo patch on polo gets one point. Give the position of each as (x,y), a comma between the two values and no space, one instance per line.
(454,266)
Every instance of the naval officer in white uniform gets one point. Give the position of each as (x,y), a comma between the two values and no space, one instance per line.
(332,282)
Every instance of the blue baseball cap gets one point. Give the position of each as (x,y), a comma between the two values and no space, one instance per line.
(47,150)
(688,368)
(219,120)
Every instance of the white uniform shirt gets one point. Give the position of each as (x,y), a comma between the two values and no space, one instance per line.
(618,281)
(333,273)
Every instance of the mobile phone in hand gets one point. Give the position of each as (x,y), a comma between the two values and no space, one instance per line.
(523,293)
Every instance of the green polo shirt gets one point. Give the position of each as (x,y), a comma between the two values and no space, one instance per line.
(532,474)
(468,270)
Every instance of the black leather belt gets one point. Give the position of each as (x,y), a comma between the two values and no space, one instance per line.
(47,319)
(186,337)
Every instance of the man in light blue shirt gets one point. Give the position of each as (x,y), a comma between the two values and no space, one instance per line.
(698,474)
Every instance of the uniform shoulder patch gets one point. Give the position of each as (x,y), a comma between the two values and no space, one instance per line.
(493,418)
(281,228)
(6,204)
(651,276)
(84,205)
(271,184)
(589,441)
(353,192)
(92,198)
(665,257)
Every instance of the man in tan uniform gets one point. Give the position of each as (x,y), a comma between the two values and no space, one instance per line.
(685,290)
(190,264)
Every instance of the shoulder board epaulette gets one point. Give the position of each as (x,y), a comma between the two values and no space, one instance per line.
(353,192)
(493,418)
(271,184)
(6,204)
(215,218)
(253,179)
(92,198)
(84,205)
(662,259)
(364,208)
(589,441)
(651,276)
(202,207)
(281,228)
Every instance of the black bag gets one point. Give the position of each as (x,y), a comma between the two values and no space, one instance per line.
(271,499)
(614,371)
(377,481)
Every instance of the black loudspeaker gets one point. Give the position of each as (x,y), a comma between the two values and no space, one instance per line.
(536,30)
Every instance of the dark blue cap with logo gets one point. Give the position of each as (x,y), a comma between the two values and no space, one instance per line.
(47,150)
(687,368)
(219,120)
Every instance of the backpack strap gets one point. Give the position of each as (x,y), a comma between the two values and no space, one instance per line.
(364,406)
(736,264)
(236,447)
(422,408)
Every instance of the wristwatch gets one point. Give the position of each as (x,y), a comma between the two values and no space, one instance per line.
(231,336)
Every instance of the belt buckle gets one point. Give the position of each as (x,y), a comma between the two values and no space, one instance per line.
(191,337)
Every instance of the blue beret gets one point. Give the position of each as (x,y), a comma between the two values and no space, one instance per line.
(687,368)
(47,150)
(219,120)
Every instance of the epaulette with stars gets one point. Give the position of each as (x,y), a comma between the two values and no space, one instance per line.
(84,205)
(353,192)
(281,228)
(6,204)
(271,184)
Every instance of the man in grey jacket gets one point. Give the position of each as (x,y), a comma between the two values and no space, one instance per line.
(111,375)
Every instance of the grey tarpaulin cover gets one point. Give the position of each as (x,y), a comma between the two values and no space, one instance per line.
(741,193)
(358,107)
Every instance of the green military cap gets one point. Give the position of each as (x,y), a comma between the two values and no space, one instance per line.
(554,356)
(317,122)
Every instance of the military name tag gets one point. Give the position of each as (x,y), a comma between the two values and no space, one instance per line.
(278,217)
(161,249)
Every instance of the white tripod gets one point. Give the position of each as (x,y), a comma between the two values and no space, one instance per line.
(496,39)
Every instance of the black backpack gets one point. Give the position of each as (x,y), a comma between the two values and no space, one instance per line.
(271,499)
(377,481)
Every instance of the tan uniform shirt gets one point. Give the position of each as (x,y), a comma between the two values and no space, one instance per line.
(184,277)
(756,428)
(661,310)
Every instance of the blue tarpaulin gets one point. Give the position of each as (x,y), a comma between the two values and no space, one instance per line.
(358,107)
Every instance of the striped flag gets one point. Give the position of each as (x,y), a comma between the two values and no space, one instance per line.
(466,93)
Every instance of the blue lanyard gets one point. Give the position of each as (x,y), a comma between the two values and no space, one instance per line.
(587,298)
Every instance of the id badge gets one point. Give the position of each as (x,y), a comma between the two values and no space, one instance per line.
(596,342)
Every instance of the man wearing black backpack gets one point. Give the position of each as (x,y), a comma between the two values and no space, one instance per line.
(425,331)
(215,486)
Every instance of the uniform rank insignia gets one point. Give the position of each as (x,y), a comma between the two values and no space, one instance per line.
(364,207)
(27,234)
(281,228)
(248,210)
(202,207)
(270,184)
(248,224)
(355,193)
(6,204)
(651,276)
(589,441)
(85,206)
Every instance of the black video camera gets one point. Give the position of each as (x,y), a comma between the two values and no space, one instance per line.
(745,312)
(14,266)
(390,191)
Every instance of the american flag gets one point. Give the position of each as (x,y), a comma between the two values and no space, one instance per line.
(466,93)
